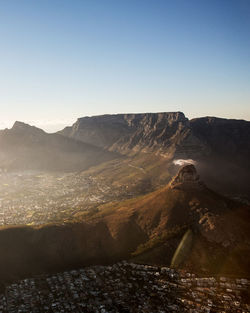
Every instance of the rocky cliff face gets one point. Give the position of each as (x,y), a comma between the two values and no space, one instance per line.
(166,133)
(230,138)
(126,133)
(220,147)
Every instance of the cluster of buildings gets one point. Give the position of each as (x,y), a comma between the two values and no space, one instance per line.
(126,287)
(39,198)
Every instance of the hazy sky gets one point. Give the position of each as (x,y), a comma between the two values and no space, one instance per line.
(60,59)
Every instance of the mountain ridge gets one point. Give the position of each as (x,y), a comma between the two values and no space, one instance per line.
(219,147)
(25,147)
(168,133)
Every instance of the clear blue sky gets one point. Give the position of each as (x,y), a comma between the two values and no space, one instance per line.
(60,59)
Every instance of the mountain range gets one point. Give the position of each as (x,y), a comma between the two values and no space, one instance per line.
(219,147)
(115,145)
(25,147)
(185,216)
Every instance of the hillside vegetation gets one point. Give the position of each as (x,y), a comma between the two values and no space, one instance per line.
(147,229)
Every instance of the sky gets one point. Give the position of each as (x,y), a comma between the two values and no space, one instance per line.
(60,60)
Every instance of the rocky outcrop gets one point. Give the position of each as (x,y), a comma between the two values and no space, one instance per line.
(187,178)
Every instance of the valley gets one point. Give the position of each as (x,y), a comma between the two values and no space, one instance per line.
(38,197)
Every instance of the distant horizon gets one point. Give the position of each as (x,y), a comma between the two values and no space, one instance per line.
(61,60)
(54,126)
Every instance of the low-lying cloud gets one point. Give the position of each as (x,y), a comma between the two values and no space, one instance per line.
(181,162)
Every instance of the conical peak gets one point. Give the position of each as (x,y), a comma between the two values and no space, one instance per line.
(186,178)
(21,127)
(188,173)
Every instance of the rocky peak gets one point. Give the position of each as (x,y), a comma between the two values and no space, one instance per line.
(187,178)
(21,127)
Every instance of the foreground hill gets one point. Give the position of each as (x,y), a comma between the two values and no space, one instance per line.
(211,231)
(220,147)
(25,147)
(183,224)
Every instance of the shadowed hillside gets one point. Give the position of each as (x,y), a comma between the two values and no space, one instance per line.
(25,147)
(148,229)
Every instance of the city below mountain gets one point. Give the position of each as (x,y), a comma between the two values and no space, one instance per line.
(153,188)
(127,212)
(183,224)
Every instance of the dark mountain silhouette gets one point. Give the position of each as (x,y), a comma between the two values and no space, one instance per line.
(26,147)
(209,232)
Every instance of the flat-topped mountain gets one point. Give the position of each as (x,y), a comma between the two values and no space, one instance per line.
(128,133)
(220,147)
(169,132)
(25,147)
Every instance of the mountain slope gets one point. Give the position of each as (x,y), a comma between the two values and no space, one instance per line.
(148,229)
(218,225)
(225,165)
(27,147)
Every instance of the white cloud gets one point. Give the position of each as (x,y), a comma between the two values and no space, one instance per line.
(181,162)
